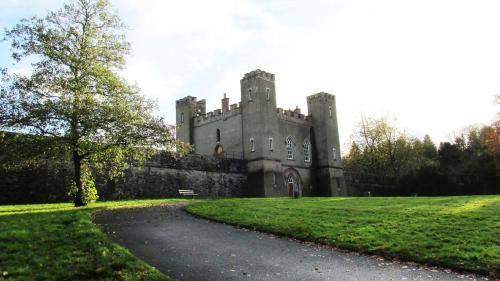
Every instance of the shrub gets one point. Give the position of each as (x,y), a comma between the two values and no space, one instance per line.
(89,188)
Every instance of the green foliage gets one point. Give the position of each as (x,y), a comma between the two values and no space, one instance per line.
(59,242)
(474,151)
(89,189)
(19,151)
(379,147)
(428,151)
(74,101)
(456,232)
(419,168)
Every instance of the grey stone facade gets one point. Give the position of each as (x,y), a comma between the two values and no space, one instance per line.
(163,177)
(286,152)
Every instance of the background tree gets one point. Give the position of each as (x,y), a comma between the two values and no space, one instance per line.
(474,151)
(490,138)
(429,149)
(74,104)
(379,147)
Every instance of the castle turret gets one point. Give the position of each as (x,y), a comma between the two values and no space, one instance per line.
(260,131)
(329,174)
(186,109)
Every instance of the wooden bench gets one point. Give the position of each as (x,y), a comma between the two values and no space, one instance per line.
(187,192)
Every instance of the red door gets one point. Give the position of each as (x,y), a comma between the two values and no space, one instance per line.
(290,189)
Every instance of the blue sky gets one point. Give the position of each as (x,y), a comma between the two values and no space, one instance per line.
(432,65)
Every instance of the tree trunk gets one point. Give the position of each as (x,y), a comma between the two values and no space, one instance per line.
(77,177)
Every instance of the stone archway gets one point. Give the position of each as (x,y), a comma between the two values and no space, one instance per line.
(293,183)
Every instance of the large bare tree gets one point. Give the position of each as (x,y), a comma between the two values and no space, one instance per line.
(379,147)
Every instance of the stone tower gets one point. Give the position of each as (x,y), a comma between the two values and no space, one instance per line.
(329,175)
(260,132)
(186,109)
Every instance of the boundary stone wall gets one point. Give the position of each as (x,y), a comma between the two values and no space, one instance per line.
(161,177)
(361,184)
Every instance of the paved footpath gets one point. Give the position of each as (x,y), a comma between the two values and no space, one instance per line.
(189,248)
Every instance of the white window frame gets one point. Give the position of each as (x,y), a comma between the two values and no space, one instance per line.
(271,144)
(252,145)
(290,155)
(307,151)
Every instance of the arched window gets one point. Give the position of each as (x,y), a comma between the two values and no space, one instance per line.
(268,93)
(289,179)
(307,151)
(330,110)
(218,135)
(289,148)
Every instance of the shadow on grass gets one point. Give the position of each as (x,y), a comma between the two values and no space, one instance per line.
(62,243)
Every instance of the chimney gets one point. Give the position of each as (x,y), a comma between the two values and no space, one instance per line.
(225,104)
(297,110)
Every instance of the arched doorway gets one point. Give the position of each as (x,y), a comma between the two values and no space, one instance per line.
(219,151)
(293,183)
(290,184)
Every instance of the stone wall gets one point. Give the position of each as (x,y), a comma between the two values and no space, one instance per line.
(361,184)
(433,184)
(160,182)
(205,134)
(161,177)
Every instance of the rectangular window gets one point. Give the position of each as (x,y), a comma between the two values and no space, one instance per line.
(249,94)
(271,146)
(334,154)
(252,145)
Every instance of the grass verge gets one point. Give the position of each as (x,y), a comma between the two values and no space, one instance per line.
(60,242)
(455,232)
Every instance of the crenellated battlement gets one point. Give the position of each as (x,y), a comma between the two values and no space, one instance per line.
(217,115)
(258,74)
(293,116)
(188,99)
(320,98)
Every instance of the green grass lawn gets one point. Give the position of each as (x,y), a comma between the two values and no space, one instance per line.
(60,242)
(456,232)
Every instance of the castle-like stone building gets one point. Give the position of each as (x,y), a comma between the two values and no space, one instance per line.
(287,153)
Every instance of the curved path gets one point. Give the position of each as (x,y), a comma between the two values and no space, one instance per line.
(189,248)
